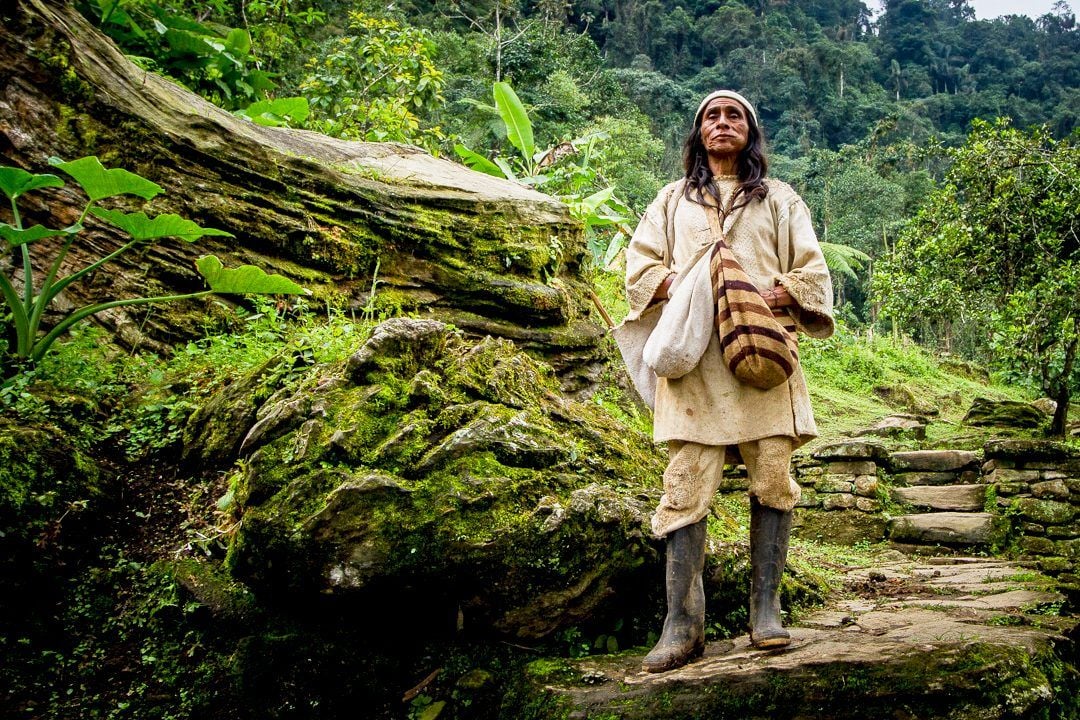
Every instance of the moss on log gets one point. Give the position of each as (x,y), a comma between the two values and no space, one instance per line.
(488,255)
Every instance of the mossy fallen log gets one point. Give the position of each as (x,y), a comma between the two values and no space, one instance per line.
(487,255)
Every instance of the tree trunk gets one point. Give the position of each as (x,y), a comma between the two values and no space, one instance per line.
(1060,424)
(487,255)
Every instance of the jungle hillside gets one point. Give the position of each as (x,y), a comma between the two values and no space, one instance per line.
(309,406)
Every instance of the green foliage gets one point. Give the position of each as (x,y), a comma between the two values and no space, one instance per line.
(372,83)
(844,261)
(564,169)
(282,112)
(27,308)
(213,60)
(998,246)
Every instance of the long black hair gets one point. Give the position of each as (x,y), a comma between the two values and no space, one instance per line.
(751,168)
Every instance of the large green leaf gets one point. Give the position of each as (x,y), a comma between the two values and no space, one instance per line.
(244,280)
(16,181)
(518,126)
(504,167)
(141,227)
(477,161)
(277,112)
(16,237)
(100,183)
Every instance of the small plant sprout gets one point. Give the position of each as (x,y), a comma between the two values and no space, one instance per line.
(27,308)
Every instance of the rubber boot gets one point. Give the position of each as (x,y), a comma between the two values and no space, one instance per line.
(683,637)
(769,533)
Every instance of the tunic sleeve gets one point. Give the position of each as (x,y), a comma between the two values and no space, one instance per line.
(646,255)
(807,278)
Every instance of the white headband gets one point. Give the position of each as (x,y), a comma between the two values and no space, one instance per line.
(731,95)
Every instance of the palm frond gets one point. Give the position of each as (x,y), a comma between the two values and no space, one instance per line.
(844,260)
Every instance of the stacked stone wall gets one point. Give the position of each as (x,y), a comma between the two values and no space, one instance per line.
(1038,486)
(1020,494)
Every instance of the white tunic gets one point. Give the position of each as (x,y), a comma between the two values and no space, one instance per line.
(774,241)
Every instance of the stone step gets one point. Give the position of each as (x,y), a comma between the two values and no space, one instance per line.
(947,528)
(860,657)
(935,477)
(934,460)
(961,498)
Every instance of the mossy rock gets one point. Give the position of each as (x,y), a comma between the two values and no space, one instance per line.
(432,461)
(42,478)
(839,527)
(1004,413)
(825,675)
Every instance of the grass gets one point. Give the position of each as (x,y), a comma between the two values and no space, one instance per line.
(856,379)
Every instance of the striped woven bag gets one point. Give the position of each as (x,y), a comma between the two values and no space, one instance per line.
(758,344)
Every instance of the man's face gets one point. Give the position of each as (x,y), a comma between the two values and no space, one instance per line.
(725,129)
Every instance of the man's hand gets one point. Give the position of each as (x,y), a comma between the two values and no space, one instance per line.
(778,297)
(662,291)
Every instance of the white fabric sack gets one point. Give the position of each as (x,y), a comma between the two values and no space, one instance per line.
(680,338)
(631,337)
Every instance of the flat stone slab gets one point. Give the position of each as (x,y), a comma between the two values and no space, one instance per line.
(962,498)
(1011,600)
(934,460)
(861,657)
(852,450)
(947,528)
(933,477)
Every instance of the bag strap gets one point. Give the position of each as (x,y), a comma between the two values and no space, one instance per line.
(713,214)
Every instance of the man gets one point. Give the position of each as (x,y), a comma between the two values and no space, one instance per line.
(700,414)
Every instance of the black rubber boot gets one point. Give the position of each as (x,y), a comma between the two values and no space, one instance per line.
(769,533)
(683,637)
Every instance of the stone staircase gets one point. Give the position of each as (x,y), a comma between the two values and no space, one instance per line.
(1020,494)
(946,486)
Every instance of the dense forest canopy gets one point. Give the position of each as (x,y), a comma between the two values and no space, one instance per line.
(859,106)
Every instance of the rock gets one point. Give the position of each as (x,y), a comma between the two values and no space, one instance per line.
(835,484)
(1010,488)
(838,501)
(1003,413)
(867,505)
(852,467)
(961,498)
(207,584)
(925,478)
(809,498)
(1055,564)
(1050,489)
(43,476)
(947,528)
(1068,548)
(840,527)
(933,460)
(1010,475)
(450,468)
(897,426)
(1047,512)
(214,431)
(1045,405)
(1032,545)
(1029,450)
(866,485)
(852,450)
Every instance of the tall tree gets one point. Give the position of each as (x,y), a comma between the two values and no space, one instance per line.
(999,246)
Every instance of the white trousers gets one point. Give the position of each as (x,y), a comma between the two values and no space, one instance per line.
(694,472)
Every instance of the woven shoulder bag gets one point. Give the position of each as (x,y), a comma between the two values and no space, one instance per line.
(757,348)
